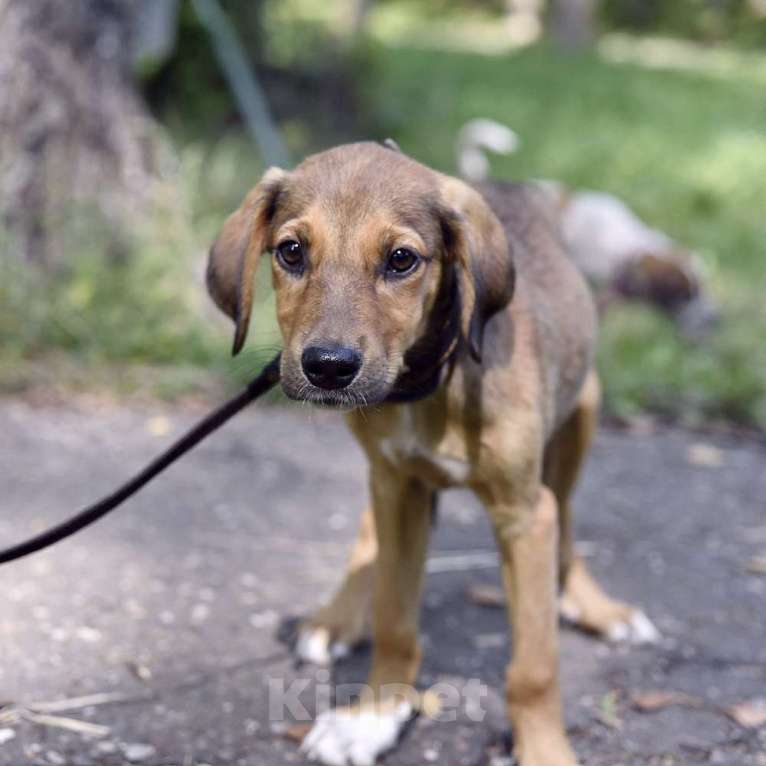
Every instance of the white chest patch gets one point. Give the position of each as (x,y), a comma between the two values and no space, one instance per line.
(406,445)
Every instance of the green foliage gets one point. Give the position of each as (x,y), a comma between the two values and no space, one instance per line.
(703,20)
(685,149)
(674,129)
(145,304)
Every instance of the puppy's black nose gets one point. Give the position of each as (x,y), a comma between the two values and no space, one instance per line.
(331,367)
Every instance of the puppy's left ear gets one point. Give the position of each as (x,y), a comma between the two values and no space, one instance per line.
(475,241)
(235,254)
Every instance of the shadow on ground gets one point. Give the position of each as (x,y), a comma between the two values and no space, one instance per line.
(170,609)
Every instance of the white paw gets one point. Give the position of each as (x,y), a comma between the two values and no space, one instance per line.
(315,645)
(355,738)
(639,629)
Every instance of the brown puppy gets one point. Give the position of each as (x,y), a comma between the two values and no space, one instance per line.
(451,314)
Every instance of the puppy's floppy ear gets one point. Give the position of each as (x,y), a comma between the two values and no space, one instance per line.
(235,253)
(476,242)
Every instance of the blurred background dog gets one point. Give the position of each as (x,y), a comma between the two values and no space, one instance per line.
(622,257)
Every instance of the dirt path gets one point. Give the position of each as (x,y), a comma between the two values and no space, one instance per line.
(174,603)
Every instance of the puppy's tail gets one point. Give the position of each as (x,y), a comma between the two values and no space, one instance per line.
(477,137)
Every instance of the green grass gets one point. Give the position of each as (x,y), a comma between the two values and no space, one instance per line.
(143,321)
(686,149)
(677,133)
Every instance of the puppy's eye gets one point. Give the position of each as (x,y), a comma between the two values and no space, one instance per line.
(290,255)
(402,261)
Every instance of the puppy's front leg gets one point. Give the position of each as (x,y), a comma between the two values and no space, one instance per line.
(359,734)
(527,535)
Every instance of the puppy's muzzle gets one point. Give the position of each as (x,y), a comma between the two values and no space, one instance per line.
(331,367)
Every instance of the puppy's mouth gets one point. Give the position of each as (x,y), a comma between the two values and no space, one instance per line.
(342,399)
(372,387)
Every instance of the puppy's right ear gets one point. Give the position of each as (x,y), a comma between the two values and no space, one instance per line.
(476,242)
(235,253)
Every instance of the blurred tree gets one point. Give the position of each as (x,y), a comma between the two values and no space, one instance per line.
(73,131)
(709,21)
(573,22)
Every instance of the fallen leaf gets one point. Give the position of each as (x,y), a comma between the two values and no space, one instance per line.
(659,699)
(158,426)
(607,712)
(705,455)
(297,732)
(757,565)
(487,595)
(750,714)
(430,703)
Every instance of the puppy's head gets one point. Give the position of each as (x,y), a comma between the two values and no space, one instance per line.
(365,242)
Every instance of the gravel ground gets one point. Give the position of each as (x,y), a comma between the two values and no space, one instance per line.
(171,611)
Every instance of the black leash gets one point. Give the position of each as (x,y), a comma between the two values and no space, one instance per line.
(268,377)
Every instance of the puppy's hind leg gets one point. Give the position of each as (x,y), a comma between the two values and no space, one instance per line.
(583,601)
(344,622)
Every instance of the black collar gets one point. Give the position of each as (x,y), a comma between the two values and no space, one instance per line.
(427,360)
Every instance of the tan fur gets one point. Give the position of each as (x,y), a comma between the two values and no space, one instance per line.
(504,426)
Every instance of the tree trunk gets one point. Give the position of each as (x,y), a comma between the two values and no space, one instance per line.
(573,22)
(74,136)
(355,15)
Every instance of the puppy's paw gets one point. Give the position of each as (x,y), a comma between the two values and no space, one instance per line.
(637,629)
(348,737)
(317,646)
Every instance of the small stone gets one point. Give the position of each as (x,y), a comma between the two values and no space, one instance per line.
(167,617)
(490,640)
(337,521)
(138,752)
(705,455)
(6,735)
(248,580)
(55,758)
(484,594)
(158,426)
(264,619)
(89,635)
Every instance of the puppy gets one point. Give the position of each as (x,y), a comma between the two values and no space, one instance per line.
(448,322)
